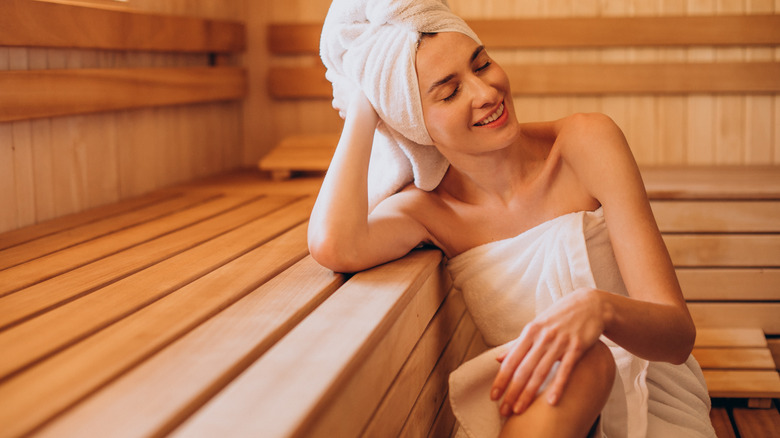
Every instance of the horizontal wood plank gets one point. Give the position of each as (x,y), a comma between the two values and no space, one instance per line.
(734,358)
(729,284)
(161,212)
(304,38)
(48,294)
(32,232)
(49,93)
(580,79)
(717,216)
(762,315)
(216,352)
(742,384)
(64,379)
(35,339)
(708,337)
(304,369)
(31,23)
(712,182)
(757,423)
(724,250)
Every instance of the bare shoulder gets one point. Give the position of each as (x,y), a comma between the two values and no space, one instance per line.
(595,148)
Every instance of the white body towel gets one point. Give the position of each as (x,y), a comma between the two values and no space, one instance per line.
(506,283)
(371,45)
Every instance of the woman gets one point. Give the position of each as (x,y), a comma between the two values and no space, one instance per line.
(554,375)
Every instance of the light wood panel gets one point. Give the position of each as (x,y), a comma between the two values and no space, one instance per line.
(302,367)
(32,23)
(566,79)
(217,352)
(49,93)
(566,32)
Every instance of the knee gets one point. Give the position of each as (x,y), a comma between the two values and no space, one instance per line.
(601,365)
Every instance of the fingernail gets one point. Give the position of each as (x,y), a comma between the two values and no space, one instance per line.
(494,394)
(552,399)
(519,407)
(505,410)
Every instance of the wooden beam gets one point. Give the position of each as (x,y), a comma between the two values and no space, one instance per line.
(304,38)
(30,23)
(48,93)
(580,79)
(712,182)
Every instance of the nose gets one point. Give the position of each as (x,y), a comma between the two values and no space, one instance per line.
(483,93)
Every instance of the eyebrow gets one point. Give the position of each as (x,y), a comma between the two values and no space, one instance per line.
(449,77)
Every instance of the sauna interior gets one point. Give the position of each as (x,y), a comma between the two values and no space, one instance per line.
(118,319)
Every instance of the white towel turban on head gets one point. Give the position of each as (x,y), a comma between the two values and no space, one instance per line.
(372,44)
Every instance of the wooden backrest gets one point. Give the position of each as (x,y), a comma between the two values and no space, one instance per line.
(596,32)
(31,94)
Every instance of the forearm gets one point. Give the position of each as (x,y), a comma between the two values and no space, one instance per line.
(653,331)
(340,214)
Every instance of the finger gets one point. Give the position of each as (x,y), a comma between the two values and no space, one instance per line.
(562,377)
(509,364)
(522,374)
(537,379)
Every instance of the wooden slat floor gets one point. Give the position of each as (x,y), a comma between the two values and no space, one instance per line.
(150,317)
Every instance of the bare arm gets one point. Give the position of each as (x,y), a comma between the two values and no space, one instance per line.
(342,236)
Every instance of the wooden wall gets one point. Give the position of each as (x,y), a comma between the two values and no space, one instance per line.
(696,129)
(52,167)
(57,166)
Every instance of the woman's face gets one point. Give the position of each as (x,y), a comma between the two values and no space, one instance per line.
(466,101)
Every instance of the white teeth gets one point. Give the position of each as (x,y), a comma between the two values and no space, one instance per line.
(493,116)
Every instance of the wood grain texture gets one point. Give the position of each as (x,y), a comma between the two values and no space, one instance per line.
(217,352)
(49,93)
(93,362)
(579,31)
(44,24)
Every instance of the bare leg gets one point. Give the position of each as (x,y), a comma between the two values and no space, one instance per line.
(583,398)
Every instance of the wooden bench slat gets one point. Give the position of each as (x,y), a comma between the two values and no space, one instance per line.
(304,38)
(363,388)
(54,242)
(149,223)
(216,352)
(33,340)
(722,423)
(717,216)
(712,182)
(399,399)
(762,315)
(63,223)
(431,400)
(28,23)
(579,79)
(708,337)
(734,358)
(723,250)
(34,94)
(757,423)
(55,384)
(742,384)
(319,354)
(48,294)
(729,284)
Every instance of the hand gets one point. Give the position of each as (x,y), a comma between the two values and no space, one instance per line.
(564,332)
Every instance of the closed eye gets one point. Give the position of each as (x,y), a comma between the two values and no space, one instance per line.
(484,66)
(453,94)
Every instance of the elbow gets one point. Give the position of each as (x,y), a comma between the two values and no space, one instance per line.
(685,342)
(330,254)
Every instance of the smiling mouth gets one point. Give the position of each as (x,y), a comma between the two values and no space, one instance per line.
(493,117)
